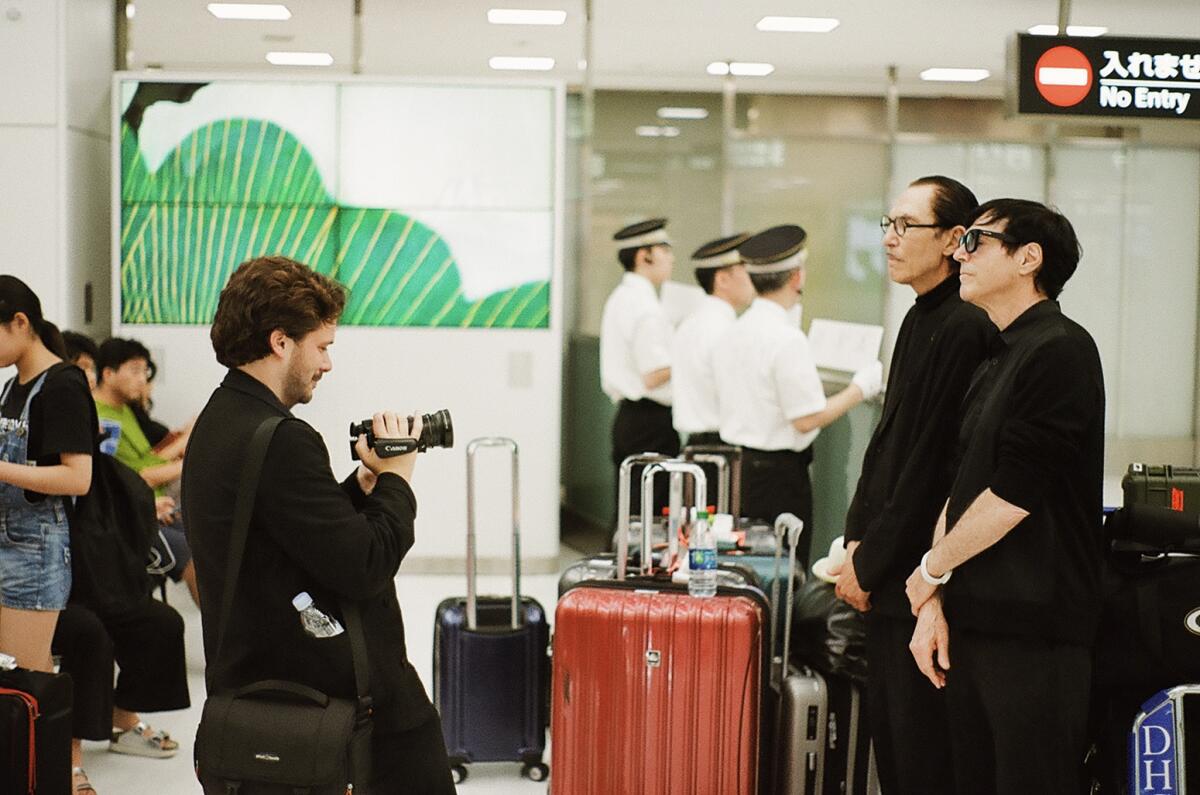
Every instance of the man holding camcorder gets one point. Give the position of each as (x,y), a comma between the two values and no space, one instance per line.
(310,545)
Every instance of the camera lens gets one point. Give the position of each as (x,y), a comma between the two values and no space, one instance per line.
(437,430)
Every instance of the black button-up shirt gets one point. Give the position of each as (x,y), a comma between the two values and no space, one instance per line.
(1033,432)
(908,467)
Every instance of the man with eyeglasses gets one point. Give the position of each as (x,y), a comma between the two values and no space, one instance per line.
(1009,635)
(906,476)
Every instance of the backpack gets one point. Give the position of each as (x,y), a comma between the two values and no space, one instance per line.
(111,532)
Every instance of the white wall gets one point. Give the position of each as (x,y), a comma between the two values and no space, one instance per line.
(494,382)
(56,58)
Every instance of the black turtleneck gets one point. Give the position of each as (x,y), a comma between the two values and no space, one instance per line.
(908,467)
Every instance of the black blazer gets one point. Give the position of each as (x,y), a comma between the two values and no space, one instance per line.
(307,533)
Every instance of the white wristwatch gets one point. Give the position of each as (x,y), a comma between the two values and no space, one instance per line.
(929,578)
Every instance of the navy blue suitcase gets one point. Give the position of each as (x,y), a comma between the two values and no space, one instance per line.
(491,671)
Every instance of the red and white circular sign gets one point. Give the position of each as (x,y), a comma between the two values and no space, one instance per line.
(1063,76)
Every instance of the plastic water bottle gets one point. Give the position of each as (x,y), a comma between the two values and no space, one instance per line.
(316,623)
(702,559)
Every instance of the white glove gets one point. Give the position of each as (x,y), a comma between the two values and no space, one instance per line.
(869,379)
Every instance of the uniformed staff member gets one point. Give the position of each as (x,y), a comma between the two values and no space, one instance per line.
(635,349)
(1021,532)
(906,476)
(728,291)
(771,397)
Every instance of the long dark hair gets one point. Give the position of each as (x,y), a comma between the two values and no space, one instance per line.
(15,296)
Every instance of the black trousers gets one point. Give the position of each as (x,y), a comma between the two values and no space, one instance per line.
(907,714)
(775,482)
(147,644)
(642,426)
(412,761)
(704,438)
(1017,713)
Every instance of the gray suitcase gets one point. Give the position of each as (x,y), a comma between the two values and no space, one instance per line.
(822,739)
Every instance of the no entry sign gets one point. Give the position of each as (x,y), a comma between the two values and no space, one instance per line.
(1123,77)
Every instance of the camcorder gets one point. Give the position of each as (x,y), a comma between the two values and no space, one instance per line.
(437,430)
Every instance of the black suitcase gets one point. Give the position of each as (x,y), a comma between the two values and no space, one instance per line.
(822,742)
(491,671)
(35,733)
(1164,485)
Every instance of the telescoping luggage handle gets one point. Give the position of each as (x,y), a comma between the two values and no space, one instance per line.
(728,461)
(790,523)
(624,509)
(701,504)
(472,597)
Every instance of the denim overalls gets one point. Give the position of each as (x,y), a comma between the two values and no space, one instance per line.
(35,550)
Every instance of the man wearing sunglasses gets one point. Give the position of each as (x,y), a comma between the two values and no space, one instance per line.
(1009,635)
(906,476)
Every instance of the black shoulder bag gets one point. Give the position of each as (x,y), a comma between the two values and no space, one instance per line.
(276,737)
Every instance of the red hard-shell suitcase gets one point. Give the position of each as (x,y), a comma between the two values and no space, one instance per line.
(656,691)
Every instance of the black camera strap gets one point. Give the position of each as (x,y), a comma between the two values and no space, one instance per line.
(243,508)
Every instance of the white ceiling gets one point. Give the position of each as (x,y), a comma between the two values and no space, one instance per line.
(648,44)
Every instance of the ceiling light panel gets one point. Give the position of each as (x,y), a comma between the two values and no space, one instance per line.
(526,16)
(797,24)
(750,69)
(740,68)
(1081,31)
(657,131)
(268,11)
(300,58)
(526,64)
(682,113)
(946,75)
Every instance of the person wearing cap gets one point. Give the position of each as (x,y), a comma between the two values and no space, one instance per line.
(906,477)
(772,401)
(728,291)
(1008,597)
(635,349)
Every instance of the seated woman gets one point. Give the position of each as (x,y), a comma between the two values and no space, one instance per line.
(147,644)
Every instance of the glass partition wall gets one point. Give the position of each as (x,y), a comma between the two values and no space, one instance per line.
(828,164)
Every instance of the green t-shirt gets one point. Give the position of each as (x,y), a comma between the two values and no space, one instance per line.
(124,439)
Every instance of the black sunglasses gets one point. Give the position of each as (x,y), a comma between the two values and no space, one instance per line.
(970,240)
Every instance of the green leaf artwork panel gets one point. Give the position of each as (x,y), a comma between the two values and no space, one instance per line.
(240,188)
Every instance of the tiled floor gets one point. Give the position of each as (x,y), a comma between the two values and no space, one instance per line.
(114,774)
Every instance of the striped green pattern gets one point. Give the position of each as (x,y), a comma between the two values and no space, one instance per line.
(241,188)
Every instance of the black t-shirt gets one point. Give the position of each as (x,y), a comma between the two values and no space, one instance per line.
(62,416)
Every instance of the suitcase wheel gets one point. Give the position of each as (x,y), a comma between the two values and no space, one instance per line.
(536,772)
(458,773)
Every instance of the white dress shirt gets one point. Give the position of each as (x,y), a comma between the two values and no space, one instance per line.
(765,379)
(693,376)
(635,340)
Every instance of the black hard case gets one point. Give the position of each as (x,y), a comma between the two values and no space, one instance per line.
(51,731)
(1164,485)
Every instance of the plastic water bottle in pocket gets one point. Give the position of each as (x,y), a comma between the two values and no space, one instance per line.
(316,623)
